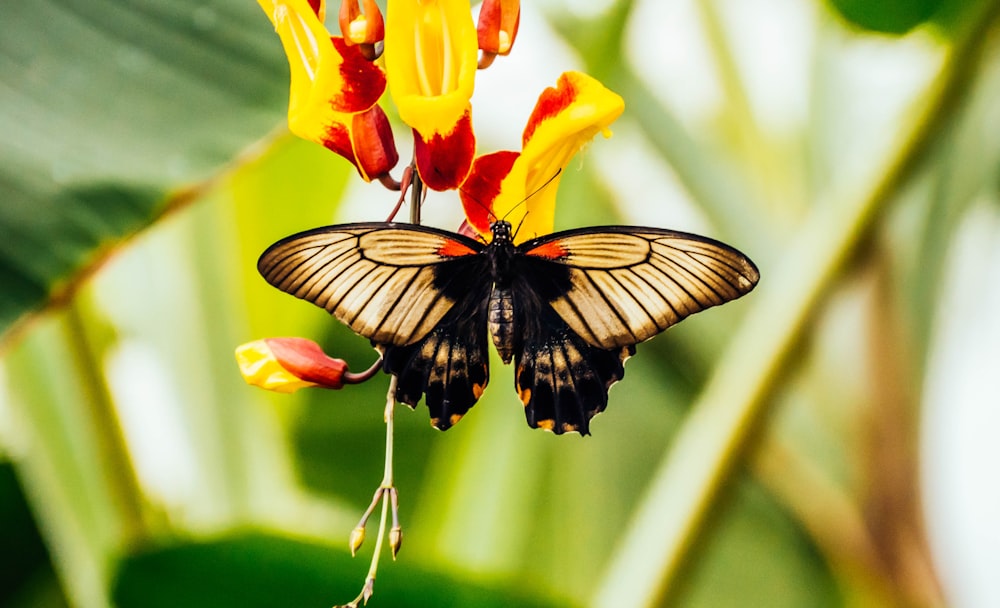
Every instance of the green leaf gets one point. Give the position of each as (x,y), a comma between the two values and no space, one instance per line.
(886,16)
(23,556)
(262,570)
(110,108)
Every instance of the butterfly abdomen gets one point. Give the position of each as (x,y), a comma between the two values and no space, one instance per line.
(501,321)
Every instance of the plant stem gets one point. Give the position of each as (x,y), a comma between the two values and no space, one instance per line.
(714,438)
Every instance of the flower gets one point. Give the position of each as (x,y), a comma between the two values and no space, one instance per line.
(285,365)
(430,60)
(497,28)
(361,27)
(521,187)
(334,88)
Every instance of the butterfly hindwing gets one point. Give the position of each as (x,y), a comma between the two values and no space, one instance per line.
(382,280)
(563,381)
(449,367)
(419,294)
(625,284)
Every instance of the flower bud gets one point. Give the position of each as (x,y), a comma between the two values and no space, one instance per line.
(288,364)
(395,540)
(497,28)
(361,27)
(357,538)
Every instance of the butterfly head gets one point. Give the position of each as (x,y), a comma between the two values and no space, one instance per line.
(502,232)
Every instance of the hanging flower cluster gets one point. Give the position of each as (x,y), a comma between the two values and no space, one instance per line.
(432,50)
(426,53)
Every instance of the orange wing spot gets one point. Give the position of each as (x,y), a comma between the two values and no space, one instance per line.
(569,428)
(549,251)
(477,390)
(454,249)
(525,395)
(455,418)
(548,425)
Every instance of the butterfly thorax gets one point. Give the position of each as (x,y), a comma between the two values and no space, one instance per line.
(501,253)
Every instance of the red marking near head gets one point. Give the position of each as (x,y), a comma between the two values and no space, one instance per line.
(550,251)
(454,249)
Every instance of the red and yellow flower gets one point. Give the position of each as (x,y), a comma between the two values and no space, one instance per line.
(430,64)
(285,365)
(334,90)
(431,56)
(521,186)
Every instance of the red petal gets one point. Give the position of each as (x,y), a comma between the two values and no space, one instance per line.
(482,187)
(550,102)
(364,81)
(374,145)
(338,139)
(444,160)
(306,360)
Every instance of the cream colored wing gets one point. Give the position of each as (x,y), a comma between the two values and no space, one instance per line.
(387,282)
(622,285)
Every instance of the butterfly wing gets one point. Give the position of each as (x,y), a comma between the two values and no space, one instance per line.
(623,285)
(449,366)
(419,294)
(387,282)
(563,381)
(589,296)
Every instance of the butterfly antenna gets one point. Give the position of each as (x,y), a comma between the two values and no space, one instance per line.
(482,205)
(532,193)
(525,200)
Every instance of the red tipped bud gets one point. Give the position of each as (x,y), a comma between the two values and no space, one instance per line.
(497,29)
(288,364)
(361,27)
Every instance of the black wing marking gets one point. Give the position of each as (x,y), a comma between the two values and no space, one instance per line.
(385,281)
(623,285)
(562,381)
(450,365)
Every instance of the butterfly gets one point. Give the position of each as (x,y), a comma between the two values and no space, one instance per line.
(568,308)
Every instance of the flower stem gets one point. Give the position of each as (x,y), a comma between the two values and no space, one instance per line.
(714,438)
(416,196)
(386,493)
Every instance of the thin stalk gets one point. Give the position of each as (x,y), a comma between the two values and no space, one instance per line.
(416,196)
(386,493)
(645,568)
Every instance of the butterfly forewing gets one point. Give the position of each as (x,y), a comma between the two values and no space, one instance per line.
(379,279)
(628,284)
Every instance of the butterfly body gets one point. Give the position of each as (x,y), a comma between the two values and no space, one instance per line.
(567,308)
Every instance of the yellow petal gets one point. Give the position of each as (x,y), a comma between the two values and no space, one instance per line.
(259,367)
(430,60)
(564,120)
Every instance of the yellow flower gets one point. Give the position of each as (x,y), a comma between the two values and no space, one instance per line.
(430,60)
(521,187)
(334,89)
